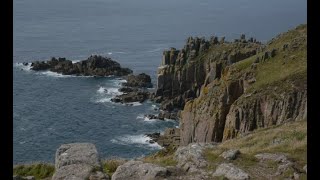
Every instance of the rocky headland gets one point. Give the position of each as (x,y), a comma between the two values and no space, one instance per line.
(242,109)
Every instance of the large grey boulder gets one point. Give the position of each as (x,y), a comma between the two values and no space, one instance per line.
(76,161)
(134,170)
(231,172)
(190,157)
(272,157)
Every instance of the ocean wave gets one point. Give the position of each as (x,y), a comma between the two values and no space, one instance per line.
(137,140)
(104,100)
(133,104)
(118,82)
(23,67)
(109,91)
(155,50)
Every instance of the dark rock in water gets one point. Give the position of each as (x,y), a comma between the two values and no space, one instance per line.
(126,89)
(38,66)
(167,115)
(153,136)
(140,80)
(151,116)
(25,63)
(135,96)
(93,66)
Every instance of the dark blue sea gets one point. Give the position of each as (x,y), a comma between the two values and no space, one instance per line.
(50,109)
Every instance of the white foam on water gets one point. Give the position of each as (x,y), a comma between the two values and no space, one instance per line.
(101,90)
(170,120)
(148,119)
(109,91)
(118,82)
(109,53)
(104,100)
(138,140)
(54,74)
(133,104)
(23,67)
(75,61)
(140,116)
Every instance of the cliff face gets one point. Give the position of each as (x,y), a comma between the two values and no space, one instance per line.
(184,71)
(228,89)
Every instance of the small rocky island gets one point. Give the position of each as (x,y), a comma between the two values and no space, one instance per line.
(94,66)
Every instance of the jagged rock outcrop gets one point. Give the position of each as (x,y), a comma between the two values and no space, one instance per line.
(203,119)
(135,89)
(93,66)
(78,161)
(183,72)
(171,137)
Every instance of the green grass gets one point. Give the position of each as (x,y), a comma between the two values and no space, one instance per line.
(293,143)
(109,166)
(164,157)
(289,64)
(38,170)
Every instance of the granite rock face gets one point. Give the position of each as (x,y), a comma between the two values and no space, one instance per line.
(133,170)
(231,101)
(76,161)
(231,172)
(184,71)
(93,66)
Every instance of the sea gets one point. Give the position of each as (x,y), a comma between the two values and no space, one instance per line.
(51,109)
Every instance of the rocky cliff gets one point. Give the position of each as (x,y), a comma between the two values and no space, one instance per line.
(268,88)
(230,88)
(183,72)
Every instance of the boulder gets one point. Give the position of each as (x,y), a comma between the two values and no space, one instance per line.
(272,157)
(230,154)
(231,172)
(133,170)
(140,80)
(134,96)
(190,157)
(77,161)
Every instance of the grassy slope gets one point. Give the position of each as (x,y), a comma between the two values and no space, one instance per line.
(290,138)
(38,170)
(289,64)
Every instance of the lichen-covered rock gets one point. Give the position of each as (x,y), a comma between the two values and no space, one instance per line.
(231,172)
(133,170)
(77,161)
(190,157)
